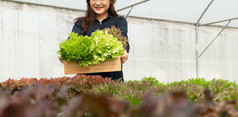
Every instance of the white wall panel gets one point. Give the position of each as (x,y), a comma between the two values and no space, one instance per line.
(161,49)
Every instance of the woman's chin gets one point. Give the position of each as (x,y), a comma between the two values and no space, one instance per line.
(100,12)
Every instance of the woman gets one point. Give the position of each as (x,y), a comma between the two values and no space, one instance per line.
(101,14)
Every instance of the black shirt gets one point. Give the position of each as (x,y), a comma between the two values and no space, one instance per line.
(118,22)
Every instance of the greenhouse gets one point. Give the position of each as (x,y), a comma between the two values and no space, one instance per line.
(182,60)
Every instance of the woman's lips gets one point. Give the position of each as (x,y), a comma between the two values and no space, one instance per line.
(98,8)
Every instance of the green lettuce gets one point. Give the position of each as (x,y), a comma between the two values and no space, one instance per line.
(101,46)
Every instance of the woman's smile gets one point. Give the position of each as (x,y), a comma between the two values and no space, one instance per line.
(100,7)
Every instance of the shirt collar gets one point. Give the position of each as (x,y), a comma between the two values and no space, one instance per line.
(109,16)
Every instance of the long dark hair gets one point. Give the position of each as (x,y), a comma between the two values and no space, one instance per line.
(91,16)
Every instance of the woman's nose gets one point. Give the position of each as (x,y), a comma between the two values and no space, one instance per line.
(98,1)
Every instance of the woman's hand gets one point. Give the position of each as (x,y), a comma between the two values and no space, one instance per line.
(124,57)
(61,60)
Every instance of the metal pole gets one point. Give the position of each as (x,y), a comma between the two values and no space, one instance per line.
(197,61)
(204,11)
(214,39)
(219,21)
(132,5)
(129,12)
(196,29)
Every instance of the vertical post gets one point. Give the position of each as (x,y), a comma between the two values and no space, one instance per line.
(196,29)
(197,59)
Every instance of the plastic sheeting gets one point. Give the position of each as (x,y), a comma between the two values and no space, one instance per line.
(175,10)
(30,35)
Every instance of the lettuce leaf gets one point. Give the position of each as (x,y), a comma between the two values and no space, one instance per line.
(101,46)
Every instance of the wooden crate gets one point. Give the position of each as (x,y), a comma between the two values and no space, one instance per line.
(108,66)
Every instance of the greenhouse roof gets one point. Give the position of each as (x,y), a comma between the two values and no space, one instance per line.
(174,10)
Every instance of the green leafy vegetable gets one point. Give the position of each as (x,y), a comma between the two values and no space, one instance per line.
(101,46)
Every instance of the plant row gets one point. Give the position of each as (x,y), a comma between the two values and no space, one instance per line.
(133,91)
(95,96)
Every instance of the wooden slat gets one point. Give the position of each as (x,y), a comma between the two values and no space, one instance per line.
(108,66)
